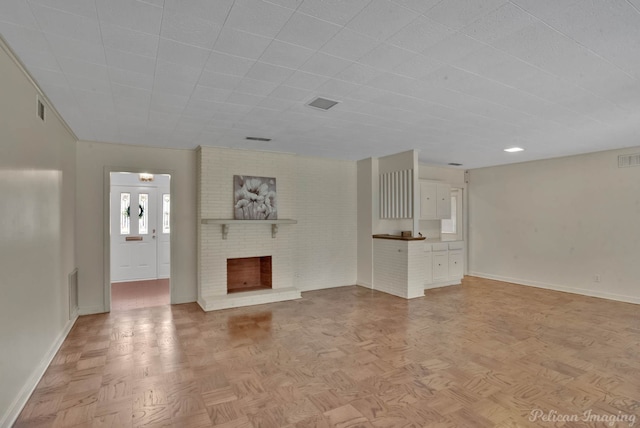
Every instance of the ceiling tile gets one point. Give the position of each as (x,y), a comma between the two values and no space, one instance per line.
(358,73)
(192,30)
(457,14)
(77,7)
(219,80)
(255,87)
(286,54)
(258,17)
(269,73)
(452,48)
(325,65)
(211,94)
(240,43)
(386,57)
(178,53)
(289,93)
(417,67)
(336,11)
(307,31)
(381,19)
(214,11)
(130,41)
(67,24)
(75,67)
(130,78)
(304,80)
(499,23)
(244,99)
(17,12)
(78,49)
(131,14)
(130,62)
(228,64)
(420,6)
(420,34)
(349,45)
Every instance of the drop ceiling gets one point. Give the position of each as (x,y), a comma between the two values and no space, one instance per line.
(460,80)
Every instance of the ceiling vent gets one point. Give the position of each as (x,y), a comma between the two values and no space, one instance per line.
(455,164)
(257,139)
(322,103)
(625,161)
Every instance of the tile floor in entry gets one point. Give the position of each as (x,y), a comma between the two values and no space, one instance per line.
(139,294)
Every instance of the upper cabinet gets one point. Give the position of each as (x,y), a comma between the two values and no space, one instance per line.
(435,200)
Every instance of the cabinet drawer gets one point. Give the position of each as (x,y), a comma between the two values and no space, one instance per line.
(443,246)
(458,245)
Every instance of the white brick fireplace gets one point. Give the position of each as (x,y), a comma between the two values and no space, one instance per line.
(242,239)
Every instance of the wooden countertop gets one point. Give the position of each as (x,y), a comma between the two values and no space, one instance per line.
(400,238)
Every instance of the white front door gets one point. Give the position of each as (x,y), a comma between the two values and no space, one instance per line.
(164,233)
(134,222)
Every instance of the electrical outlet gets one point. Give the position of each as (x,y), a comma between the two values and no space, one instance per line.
(596,278)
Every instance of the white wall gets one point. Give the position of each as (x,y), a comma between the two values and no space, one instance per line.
(92,215)
(37,183)
(320,251)
(366,177)
(558,223)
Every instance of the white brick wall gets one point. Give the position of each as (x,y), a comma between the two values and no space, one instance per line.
(318,252)
(398,267)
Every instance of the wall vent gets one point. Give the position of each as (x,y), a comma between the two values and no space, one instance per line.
(40,110)
(258,139)
(625,161)
(73,294)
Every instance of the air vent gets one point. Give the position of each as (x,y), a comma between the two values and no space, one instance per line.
(322,103)
(40,110)
(625,161)
(257,139)
(455,164)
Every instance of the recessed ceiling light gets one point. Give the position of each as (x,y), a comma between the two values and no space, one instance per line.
(257,139)
(322,103)
(514,149)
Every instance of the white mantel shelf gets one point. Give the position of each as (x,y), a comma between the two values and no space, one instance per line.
(225,222)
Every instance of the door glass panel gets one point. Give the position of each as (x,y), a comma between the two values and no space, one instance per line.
(166,213)
(143,214)
(125,203)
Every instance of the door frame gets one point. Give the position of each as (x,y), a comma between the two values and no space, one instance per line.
(106,232)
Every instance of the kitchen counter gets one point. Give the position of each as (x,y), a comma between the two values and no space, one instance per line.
(400,238)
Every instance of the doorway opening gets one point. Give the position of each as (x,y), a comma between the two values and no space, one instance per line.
(140,240)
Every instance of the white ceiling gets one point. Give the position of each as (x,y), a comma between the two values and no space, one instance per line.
(460,80)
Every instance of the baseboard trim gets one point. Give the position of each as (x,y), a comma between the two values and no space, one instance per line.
(90,310)
(364,284)
(18,404)
(556,287)
(442,284)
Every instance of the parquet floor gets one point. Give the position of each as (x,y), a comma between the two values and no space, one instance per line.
(483,354)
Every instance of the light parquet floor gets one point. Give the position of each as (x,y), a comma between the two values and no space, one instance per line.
(483,354)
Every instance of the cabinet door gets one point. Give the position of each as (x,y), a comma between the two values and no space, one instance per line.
(443,194)
(428,268)
(428,200)
(456,270)
(440,266)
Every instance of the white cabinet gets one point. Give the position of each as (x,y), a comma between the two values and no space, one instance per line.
(444,263)
(435,200)
(455,264)
(440,266)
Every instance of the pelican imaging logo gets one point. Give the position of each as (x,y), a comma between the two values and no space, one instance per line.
(552,416)
(254,198)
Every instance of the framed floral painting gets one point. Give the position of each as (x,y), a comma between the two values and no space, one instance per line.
(254,198)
